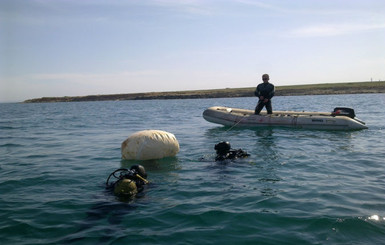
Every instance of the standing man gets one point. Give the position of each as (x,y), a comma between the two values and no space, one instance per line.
(264,91)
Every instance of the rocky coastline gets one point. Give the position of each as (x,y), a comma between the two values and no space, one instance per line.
(311,89)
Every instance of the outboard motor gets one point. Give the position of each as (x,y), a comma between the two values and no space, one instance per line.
(344,111)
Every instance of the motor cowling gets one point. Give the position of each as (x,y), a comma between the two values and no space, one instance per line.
(344,111)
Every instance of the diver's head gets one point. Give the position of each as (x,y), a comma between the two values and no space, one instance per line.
(125,187)
(139,169)
(222,147)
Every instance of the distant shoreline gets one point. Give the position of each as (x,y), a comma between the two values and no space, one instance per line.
(310,89)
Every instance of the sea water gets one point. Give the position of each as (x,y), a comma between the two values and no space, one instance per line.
(297,187)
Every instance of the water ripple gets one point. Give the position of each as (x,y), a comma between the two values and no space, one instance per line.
(297,186)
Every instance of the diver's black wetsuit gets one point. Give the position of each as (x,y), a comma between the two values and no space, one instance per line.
(224,152)
(267,91)
(232,154)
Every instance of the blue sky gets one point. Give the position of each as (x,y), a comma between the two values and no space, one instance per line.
(84,47)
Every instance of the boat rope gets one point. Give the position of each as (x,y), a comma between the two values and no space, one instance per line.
(236,123)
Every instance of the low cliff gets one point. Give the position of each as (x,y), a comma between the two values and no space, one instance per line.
(311,89)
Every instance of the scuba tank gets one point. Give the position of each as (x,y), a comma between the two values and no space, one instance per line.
(125,187)
(128,182)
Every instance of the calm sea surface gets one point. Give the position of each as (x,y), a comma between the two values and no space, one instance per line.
(297,187)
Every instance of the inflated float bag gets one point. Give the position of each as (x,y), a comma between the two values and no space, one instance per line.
(150,144)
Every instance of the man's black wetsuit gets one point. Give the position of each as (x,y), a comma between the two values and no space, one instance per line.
(267,91)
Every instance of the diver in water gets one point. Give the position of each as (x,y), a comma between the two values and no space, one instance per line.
(224,151)
(128,182)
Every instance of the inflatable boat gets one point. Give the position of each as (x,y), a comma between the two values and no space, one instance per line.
(341,118)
